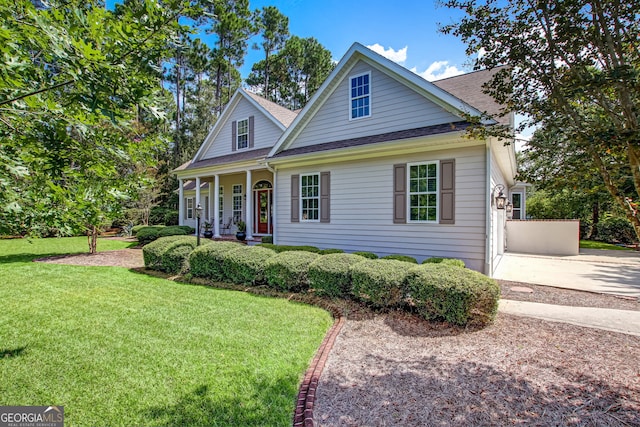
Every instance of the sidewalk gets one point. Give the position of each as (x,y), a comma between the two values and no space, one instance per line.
(624,321)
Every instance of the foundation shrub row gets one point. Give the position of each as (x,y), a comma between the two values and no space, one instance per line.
(441,289)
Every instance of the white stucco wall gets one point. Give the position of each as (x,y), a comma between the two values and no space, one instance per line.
(544,237)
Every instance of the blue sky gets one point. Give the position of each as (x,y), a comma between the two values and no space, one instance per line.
(406,32)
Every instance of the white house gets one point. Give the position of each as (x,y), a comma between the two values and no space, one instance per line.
(378,160)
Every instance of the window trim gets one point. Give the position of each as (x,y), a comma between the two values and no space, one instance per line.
(350,98)
(318,197)
(238,134)
(233,205)
(189,210)
(409,193)
(513,208)
(221,204)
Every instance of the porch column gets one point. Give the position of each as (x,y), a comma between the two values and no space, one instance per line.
(216,206)
(197,203)
(210,207)
(249,207)
(180,201)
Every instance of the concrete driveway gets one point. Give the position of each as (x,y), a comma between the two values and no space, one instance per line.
(614,272)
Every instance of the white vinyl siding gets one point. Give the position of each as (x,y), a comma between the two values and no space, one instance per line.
(362,210)
(265,136)
(397,107)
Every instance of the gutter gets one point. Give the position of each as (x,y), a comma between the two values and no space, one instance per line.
(487,249)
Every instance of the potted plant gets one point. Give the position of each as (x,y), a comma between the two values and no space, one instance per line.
(208,227)
(241,232)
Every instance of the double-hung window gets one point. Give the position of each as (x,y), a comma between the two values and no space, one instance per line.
(360,96)
(237,202)
(242,134)
(189,207)
(423,192)
(310,197)
(221,205)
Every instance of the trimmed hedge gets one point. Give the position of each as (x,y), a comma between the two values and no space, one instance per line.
(206,261)
(147,235)
(288,271)
(246,266)
(330,275)
(457,295)
(369,255)
(176,258)
(331,251)
(152,253)
(405,258)
(288,248)
(379,282)
(267,239)
(174,230)
(447,261)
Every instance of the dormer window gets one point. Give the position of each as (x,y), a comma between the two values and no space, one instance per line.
(242,140)
(360,96)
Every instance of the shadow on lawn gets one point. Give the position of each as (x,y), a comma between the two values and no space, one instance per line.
(261,406)
(437,392)
(12,352)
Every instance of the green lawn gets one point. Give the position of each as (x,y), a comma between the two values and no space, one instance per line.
(592,244)
(120,348)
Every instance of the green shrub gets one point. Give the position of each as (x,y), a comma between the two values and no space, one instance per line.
(379,282)
(615,230)
(171,217)
(136,228)
(288,248)
(152,253)
(331,274)
(246,266)
(187,228)
(405,258)
(446,261)
(174,230)
(206,261)
(457,295)
(176,258)
(267,239)
(147,235)
(331,251)
(288,271)
(369,255)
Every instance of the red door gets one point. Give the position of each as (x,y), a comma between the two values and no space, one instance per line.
(263,211)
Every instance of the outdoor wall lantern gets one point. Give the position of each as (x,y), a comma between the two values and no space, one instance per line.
(509,208)
(198,215)
(500,199)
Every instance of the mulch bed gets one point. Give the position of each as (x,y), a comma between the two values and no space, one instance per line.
(396,369)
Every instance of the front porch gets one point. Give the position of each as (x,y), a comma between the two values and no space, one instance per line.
(226,202)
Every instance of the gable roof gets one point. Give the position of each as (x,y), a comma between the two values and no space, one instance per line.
(468,87)
(280,116)
(358,52)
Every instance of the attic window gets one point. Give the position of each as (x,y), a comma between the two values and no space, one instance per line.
(360,96)
(242,134)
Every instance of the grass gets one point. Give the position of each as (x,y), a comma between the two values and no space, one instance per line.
(592,244)
(115,347)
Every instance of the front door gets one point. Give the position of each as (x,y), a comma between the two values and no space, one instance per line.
(263,211)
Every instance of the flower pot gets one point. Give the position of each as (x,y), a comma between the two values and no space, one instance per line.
(208,234)
(241,235)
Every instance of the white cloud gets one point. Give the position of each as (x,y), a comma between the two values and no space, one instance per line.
(398,56)
(438,70)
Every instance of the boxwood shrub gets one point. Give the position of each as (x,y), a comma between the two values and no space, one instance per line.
(331,274)
(147,235)
(379,282)
(246,266)
(152,253)
(369,255)
(288,248)
(405,258)
(176,258)
(330,251)
(288,271)
(174,230)
(206,261)
(457,295)
(446,261)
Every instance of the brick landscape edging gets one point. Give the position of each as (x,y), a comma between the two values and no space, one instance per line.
(303,415)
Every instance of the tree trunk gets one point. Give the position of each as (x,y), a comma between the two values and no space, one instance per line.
(92,239)
(595,219)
